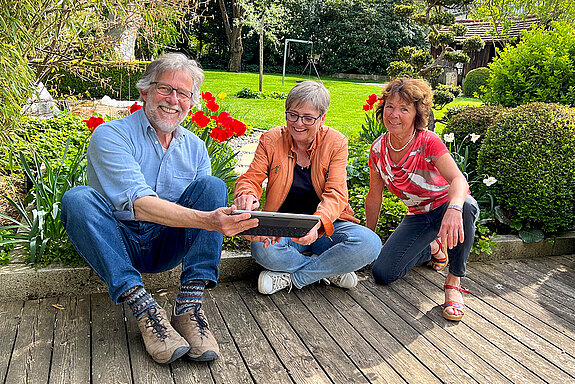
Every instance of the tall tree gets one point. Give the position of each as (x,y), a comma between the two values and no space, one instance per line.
(267,18)
(233,29)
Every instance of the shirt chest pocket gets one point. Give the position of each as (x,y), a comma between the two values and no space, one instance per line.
(187,175)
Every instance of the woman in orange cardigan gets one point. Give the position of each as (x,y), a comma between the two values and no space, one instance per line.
(305,165)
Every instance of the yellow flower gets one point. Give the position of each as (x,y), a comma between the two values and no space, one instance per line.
(222,95)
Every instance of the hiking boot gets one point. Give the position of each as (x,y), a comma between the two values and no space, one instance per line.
(195,329)
(162,341)
(346,280)
(270,282)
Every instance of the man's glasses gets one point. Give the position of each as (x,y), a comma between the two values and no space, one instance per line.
(306,120)
(166,90)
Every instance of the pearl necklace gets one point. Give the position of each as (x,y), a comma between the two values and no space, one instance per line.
(406,144)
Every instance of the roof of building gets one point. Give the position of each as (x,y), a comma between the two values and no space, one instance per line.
(481,28)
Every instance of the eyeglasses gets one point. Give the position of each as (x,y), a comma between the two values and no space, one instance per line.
(306,120)
(166,90)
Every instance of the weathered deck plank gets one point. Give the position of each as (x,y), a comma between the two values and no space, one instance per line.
(519,328)
(110,353)
(11,314)
(71,341)
(32,354)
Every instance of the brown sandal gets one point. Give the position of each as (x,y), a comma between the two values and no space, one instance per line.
(438,263)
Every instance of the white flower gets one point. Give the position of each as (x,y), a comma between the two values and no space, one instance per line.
(489,181)
(449,137)
(475,137)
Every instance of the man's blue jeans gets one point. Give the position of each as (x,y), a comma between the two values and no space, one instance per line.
(349,248)
(118,251)
(408,245)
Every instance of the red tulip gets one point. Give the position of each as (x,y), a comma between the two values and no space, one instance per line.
(93,122)
(200,119)
(238,127)
(367,107)
(371,99)
(134,107)
(212,105)
(207,96)
(221,134)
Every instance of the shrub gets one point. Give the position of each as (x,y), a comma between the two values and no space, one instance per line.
(475,79)
(472,120)
(248,93)
(540,68)
(530,150)
(98,79)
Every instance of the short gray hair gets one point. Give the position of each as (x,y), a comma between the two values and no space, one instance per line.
(170,62)
(310,92)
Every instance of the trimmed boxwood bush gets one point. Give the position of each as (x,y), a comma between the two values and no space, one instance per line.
(530,150)
(474,80)
(98,79)
(472,120)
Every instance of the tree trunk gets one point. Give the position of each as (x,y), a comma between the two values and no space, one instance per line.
(262,54)
(233,34)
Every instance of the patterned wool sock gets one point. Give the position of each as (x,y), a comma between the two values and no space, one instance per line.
(139,300)
(190,296)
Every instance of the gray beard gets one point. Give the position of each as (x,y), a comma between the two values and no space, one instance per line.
(158,123)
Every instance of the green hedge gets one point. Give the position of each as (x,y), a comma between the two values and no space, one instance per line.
(530,150)
(98,79)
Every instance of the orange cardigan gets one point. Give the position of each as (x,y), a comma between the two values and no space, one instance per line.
(275,160)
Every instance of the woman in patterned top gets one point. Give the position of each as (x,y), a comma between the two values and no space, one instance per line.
(415,165)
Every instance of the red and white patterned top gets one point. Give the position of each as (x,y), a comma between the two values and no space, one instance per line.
(415,179)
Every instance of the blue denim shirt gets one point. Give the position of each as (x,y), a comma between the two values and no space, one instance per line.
(126,161)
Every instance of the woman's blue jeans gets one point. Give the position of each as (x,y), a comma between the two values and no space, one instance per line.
(408,245)
(349,248)
(118,251)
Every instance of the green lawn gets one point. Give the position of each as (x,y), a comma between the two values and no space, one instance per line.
(345,113)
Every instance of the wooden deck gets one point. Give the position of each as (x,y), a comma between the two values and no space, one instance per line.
(519,328)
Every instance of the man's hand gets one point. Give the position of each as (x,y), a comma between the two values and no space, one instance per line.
(247,202)
(224,222)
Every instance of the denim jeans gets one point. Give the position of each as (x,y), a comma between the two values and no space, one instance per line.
(408,245)
(349,248)
(118,251)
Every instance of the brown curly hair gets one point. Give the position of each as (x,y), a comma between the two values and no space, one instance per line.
(414,91)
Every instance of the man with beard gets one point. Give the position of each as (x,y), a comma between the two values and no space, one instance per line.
(151,205)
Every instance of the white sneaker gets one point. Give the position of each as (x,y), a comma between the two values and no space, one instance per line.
(346,280)
(270,282)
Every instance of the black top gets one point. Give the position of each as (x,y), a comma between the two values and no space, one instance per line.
(301,197)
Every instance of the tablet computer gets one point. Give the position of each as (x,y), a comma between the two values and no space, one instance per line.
(280,224)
